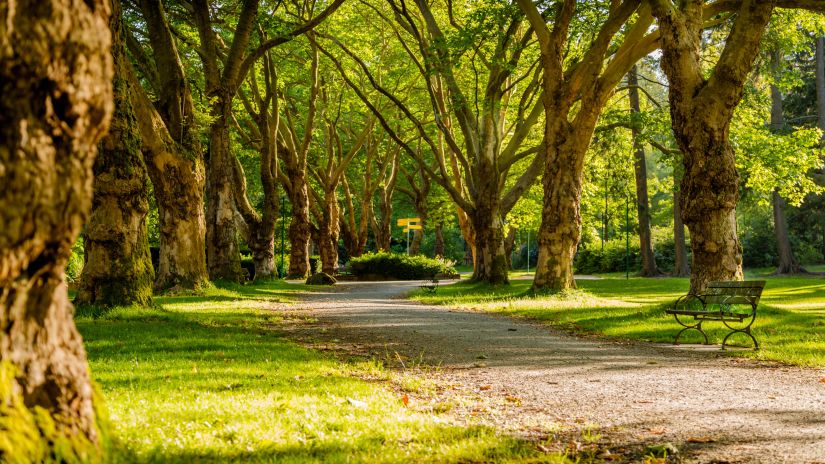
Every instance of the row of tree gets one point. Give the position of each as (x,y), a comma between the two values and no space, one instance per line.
(342,105)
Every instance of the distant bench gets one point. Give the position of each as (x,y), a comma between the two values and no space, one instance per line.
(732,303)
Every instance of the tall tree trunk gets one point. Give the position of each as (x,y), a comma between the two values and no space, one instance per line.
(438,246)
(55,105)
(787,261)
(328,233)
(681,267)
(490,258)
(701,110)
(300,226)
(649,268)
(118,269)
(174,159)
(819,63)
(223,253)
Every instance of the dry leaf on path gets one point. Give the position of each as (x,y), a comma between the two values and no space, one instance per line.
(405,399)
(701,440)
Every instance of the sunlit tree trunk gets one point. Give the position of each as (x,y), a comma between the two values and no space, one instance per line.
(55,105)
(118,268)
(701,109)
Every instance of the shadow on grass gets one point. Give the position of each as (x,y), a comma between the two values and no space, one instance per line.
(210,379)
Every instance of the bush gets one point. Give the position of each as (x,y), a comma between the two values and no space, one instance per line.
(399,266)
(591,259)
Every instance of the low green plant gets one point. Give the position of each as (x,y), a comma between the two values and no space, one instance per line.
(399,266)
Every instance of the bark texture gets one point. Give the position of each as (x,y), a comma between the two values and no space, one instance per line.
(173,155)
(649,268)
(118,268)
(701,109)
(55,105)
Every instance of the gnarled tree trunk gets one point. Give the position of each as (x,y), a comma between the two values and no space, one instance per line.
(118,269)
(300,226)
(328,231)
(701,109)
(55,105)
(173,157)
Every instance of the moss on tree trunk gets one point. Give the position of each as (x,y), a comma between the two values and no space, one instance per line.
(118,268)
(55,105)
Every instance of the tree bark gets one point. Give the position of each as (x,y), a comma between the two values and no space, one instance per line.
(438,246)
(787,263)
(55,105)
(681,267)
(490,258)
(118,268)
(174,159)
(701,110)
(649,268)
(328,233)
(300,226)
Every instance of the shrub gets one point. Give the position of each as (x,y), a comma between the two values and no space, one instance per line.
(399,266)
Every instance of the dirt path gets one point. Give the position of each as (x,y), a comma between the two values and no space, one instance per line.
(536,381)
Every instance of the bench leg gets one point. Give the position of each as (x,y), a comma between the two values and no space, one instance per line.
(697,326)
(747,332)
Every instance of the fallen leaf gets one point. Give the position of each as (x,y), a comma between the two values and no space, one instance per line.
(485,387)
(701,440)
(512,399)
(405,399)
(822,380)
(659,431)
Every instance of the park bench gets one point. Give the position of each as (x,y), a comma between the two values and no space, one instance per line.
(430,285)
(732,303)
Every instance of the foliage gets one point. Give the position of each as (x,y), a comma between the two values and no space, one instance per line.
(399,266)
(592,259)
(75,265)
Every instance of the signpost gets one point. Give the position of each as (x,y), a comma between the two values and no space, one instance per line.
(413,223)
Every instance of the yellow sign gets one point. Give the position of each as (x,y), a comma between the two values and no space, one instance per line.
(405,221)
(412,227)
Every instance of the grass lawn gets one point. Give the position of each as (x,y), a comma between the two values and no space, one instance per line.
(210,379)
(790,322)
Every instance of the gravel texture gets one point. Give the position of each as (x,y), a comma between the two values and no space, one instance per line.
(581,394)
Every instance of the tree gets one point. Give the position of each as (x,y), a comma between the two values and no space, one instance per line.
(701,111)
(55,105)
(224,71)
(171,150)
(481,122)
(118,268)
(575,90)
(649,268)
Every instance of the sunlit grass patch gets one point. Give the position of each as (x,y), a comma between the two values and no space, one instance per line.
(790,323)
(209,378)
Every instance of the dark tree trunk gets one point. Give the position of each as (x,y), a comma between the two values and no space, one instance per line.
(328,233)
(118,268)
(681,267)
(55,105)
(438,247)
(819,61)
(787,263)
(490,258)
(174,159)
(509,244)
(300,226)
(649,268)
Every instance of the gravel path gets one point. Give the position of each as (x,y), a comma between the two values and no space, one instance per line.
(536,381)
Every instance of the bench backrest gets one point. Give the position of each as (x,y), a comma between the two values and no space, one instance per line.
(746,292)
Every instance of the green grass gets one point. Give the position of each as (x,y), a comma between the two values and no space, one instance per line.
(211,379)
(790,323)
